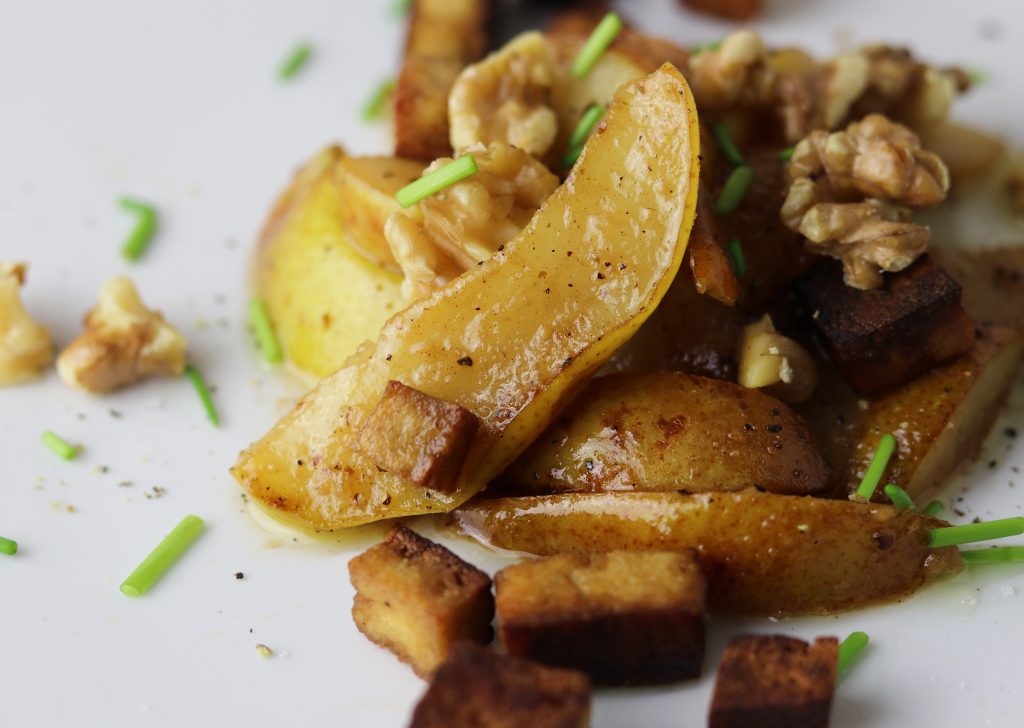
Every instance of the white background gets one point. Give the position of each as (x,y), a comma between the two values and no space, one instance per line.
(177,103)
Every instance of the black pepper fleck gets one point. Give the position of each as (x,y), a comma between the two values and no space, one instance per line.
(774,428)
(465,361)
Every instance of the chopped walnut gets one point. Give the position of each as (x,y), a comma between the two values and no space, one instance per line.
(775,363)
(850,192)
(453,230)
(25,347)
(123,342)
(733,73)
(504,98)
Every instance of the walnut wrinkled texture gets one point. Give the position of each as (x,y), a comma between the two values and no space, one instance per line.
(123,342)
(806,95)
(850,194)
(504,98)
(464,224)
(26,348)
(775,363)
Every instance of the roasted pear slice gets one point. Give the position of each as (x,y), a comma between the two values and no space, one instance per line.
(513,339)
(761,552)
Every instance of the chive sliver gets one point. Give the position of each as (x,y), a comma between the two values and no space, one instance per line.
(899,497)
(163,557)
(879,462)
(588,121)
(997,555)
(436,181)
(294,62)
(7,546)
(259,319)
(787,154)
(596,45)
(849,650)
(729,149)
(734,190)
(974,532)
(59,445)
(374,108)
(736,258)
(933,509)
(145,228)
(204,393)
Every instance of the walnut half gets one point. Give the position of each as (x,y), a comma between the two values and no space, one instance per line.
(123,342)
(25,347)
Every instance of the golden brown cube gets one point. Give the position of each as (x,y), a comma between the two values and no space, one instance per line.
(417,437)
(738,10)
(621,617)
(416,598)
(773,680)
(478,688)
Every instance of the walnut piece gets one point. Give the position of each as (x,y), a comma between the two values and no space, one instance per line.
(731,74)
(453,230)
(123,342)
(775,363)
(25,347)
(850,193)
(504,98)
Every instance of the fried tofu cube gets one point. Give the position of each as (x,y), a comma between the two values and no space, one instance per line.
(478,688)
(416,598)
(774,680)
(738,10)
(622,617)
(444,37)
(885,337)
(418,437)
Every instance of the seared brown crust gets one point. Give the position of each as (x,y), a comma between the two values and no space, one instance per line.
(885,337)
(738,10)
(416,598)
(622,617)
(418,437)
(444,37)
(477,688)
(774,680)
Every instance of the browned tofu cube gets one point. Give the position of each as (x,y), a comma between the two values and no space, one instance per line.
(776,681)
(621,617)
(739,10)
(416,598)
(417,437)
(478,688)
(882,338)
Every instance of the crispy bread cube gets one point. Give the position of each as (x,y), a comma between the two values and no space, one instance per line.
(478,688)
(777,681)
(885,337)
(416,598)
(418,437)
(621,617)
(738,10)
(444,37)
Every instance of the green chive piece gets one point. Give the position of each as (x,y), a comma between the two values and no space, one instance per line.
(596,45)
(739,263)
(7,546)
(734,191)
(570,159)
(294,62)
(376,104)
(974,532)
(997,555)
(436,181)
(880,460)
(787,154)
(729,148)
(977,76)
(60,446)
(711,46)
(849,651)
(204,393)
(163,556)
(142,233)
(586,125)
(933,509)
(899,497)
(259,319)
(400,8)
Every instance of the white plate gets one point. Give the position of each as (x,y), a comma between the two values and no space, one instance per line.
(177,103)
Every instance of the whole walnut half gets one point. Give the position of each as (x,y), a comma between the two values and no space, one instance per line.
(851,192)
(25,347)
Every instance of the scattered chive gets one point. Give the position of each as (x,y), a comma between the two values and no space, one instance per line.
(849,651)
(739,263)
(294,62)
(436,181)
(899,497)
(729,149)
(264,330)
(997,555)
(264,651)
(933,509)
(787,154)
(977,76)
(570,159)
(375,106)
(710,46)
(974,532)
(596,44)
(401,7)
(163,556)
(204,393)
(734,190)
(886,447)
(142,233)
(7,546)
(60,446)
(586,125)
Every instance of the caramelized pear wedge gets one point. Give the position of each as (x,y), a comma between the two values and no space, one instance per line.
(762,553)
(514,338)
